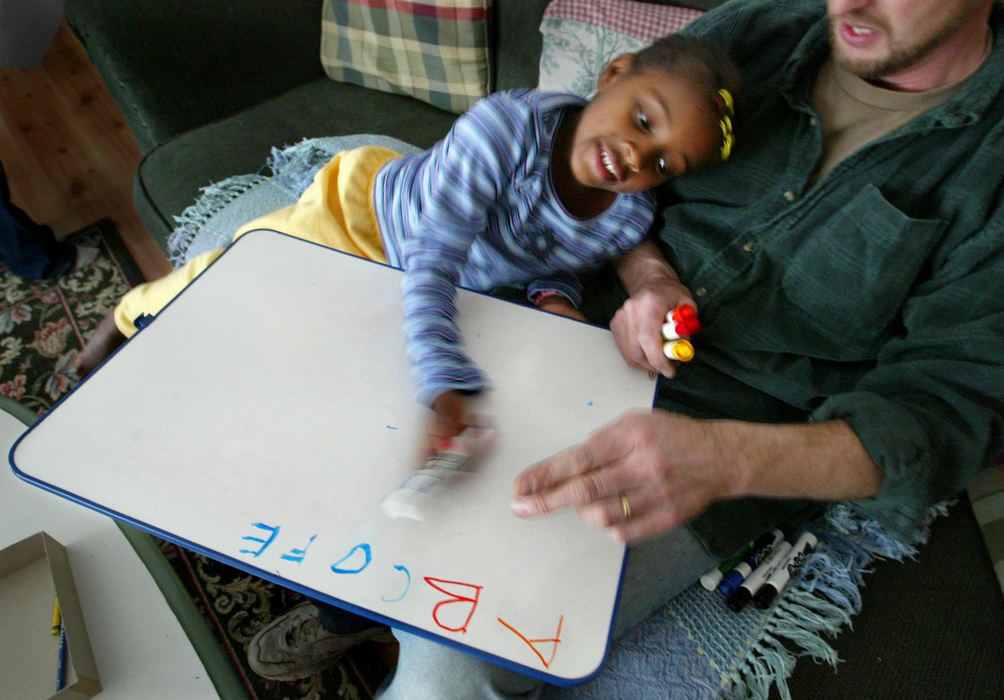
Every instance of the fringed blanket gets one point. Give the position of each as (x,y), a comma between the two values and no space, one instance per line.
(695,647)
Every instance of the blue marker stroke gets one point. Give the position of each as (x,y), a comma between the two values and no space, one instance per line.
(407,585)
(367,554)
(297,555)
(274,530)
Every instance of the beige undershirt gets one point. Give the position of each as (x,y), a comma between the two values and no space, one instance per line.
(854,112)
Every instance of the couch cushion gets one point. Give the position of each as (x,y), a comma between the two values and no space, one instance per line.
(169,177)
(581,36)
(436,51)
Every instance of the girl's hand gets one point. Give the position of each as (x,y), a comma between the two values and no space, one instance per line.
(450,415)
(557,304)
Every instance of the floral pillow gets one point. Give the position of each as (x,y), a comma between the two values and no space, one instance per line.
(582,36)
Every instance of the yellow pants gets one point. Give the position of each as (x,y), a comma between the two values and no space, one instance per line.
(336,210)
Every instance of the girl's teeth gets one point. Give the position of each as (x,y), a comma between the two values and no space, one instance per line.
(605,157)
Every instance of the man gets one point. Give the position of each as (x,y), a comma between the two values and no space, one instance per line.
(848,263)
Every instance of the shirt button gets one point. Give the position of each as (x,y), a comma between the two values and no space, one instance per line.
(813,121)
(748,246)
(701,291)
(789,196)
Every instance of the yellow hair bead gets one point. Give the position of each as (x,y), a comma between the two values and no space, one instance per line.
(728,108)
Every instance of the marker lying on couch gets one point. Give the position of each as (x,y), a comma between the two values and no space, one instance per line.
(762,548)
(752,583)
(776,582)
(711,578)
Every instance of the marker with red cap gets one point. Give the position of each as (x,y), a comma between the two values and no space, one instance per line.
(681,322)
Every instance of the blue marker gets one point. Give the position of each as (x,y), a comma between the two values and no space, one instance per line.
(761,550)
(61,665)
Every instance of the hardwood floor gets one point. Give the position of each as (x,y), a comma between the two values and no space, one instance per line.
(68,152)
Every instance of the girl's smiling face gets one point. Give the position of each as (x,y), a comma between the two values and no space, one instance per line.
(643,128)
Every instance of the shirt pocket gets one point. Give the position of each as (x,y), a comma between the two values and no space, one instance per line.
(851,273)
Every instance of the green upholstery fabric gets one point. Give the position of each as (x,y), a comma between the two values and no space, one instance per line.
(170,176)
(209,87)
(174,66)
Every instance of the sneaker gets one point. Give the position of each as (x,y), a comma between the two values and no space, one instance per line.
(295,645)
(86,254)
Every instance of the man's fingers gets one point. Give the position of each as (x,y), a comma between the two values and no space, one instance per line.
(573,477)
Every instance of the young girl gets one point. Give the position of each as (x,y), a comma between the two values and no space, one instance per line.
(527,188)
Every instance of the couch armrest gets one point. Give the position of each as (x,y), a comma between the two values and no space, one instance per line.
(173,66)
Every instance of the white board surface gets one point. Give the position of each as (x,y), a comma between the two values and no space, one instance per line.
(264,414)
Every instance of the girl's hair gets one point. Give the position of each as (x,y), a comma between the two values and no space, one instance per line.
(706,64)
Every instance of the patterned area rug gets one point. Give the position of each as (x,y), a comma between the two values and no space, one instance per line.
(43,325)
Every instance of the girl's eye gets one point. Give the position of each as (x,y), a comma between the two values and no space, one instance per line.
(660,166)
(643,121)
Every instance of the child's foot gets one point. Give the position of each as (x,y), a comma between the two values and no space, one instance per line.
(102,343)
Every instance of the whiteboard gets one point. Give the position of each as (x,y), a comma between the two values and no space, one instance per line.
(268,409)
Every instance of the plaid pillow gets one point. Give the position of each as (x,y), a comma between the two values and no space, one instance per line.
(435,50)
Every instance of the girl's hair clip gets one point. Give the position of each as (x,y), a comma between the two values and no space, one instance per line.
(723,98)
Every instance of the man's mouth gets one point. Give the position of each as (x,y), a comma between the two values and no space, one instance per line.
(858,34)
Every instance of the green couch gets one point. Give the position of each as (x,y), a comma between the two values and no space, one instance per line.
(209,87)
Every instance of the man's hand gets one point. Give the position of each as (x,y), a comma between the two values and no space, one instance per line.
(647,473)
(654,290)
(637,325)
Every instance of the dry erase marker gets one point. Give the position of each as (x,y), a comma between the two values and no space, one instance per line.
(679,349)
(682,322)
(776,582)
(57,617)
(752,583)
(761,548)
(450,461)
(61,660)
(711,578)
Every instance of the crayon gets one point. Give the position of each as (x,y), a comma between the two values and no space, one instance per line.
(752,583)
(776,582)
(711,577)
(761,549)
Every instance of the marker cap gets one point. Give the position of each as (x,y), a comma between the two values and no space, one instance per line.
(711,579)
(685,318)
(737,601)
(765,596)
(679,349)
(732,580)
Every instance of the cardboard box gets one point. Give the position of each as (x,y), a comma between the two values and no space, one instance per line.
(33,573)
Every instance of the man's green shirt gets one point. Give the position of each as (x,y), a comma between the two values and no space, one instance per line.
(874,295)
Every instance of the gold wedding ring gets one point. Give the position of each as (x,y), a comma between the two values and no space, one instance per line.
(626,505)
